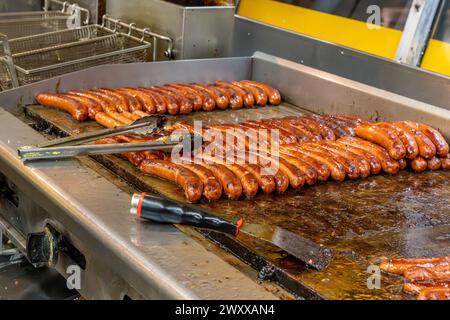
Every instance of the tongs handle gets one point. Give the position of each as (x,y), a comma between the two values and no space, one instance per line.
(187,142)
(154,123)
(31,153)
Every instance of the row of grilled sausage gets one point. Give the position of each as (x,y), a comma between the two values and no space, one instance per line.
(416,145)
(421,145)
(298,164)
(113,107)
(429,278)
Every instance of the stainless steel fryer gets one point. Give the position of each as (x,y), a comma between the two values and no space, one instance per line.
(39,57)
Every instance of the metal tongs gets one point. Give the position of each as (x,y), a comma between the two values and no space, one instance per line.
(76,146)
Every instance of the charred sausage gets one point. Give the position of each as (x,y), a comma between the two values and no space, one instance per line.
(438,140)
(388,164)
(249,99)
(76,109)
(273,94)
(383,137)
(418,164)
(259,95)
(105,120)
(188,180)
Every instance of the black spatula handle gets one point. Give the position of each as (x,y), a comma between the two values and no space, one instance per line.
(162,210)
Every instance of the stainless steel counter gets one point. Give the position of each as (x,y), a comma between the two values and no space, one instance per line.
(124,256)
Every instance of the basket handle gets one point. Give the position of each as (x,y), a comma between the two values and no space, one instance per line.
(65,5)
(7,60)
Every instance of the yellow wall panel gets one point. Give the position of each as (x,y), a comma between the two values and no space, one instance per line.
(343,31)
(437,57)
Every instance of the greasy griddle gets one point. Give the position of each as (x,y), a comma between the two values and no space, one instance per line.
(363,221)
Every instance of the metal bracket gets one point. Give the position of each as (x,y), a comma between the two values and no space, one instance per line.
(66,5)
(417,31)
(146,32)
(7,60)
(11,255)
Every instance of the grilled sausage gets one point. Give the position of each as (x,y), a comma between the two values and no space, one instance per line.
(434,294)
(76,109)
(193,96)
(434,163)
(208,102)
(399,266)
(408,140)
(131,116)
(280,177)
(300,130)
(259,95)
(388,165)
(339,130)
(150,155)
(188,180)
(284,135)
(107,121)
(383,137)
(92,106)
(308,171)
(295,175)
(436,272)
(141,114)
(134,104)
(273,94)
(362,164)
(249,183)
(402,163)
(356,120)
(336,169)
(239,140)
(375,164)
(249,99)
(145,99)
(156,155)
(221,100)
(134,158)
(160,102)
(236,100)
(347,125)
(438,140)
(446,162)
(352,121)
(120,117)
(121,101)
(415,287)
(266,182)
(170,102)
(265,178)
(317,128)
(107,104)
(418,164)
(231,184)
(281,181)
(322,171)
(427,149)
(185,105)
(212,189)
(350,167)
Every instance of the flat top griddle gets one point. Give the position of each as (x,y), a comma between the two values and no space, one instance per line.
(364,221)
